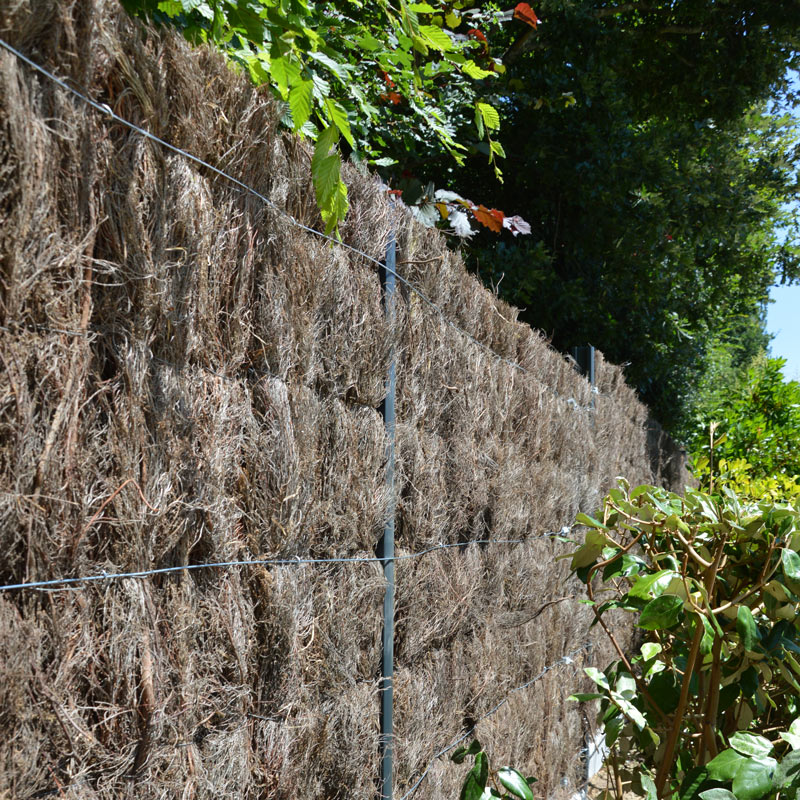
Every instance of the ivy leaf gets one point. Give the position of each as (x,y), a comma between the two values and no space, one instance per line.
(754,778)
(749,744)
(725,766)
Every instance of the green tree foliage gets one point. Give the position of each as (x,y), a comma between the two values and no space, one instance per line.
(747,432)
(385,78)
(641,149)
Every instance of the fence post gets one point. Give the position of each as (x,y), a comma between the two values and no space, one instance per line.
(386,544)
(584,359)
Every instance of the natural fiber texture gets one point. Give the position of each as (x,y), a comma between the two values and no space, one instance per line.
(186,377)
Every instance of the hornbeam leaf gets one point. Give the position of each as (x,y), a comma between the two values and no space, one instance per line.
(300,102)
(474,71)
(489,114)
(436,38)
(338,116)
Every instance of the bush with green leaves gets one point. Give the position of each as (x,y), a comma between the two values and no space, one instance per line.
(484,783)
(757,420)
(713,581)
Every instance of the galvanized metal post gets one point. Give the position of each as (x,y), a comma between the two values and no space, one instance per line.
(386,544)
(584,358)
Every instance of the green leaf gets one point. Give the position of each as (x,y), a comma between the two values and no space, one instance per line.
(661,613)
(475,782)
(462,752)
(665,690)
(497,149)
(725,766)
(746,627)
(754,778)
(515,782)
(171,7)
(749,744)
(653,585)
(584,697)
(436,38)
(788,773)
(300,102)
(338,116)
(589,522)
(650,650)
(630,710)
(491,119)
(341,71)
(474,71)
(790,562)
(368,42)
(694,780)
(717,794)
(792,738)
(284,73)
(598,677)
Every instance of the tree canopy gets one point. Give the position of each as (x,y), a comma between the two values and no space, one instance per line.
(640,140)
(645,150)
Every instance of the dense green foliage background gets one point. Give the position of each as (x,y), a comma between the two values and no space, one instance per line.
(644,149)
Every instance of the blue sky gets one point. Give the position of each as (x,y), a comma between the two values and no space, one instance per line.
(783,320)
(783,315)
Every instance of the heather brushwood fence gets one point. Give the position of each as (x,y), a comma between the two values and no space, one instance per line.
(193,460)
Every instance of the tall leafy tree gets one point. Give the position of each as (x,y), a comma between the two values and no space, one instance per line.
(641,149)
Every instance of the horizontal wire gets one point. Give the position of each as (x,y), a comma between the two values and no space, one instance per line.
(280,562)
(566,659)
(107,111)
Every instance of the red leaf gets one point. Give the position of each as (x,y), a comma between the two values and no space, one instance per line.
(490,217)
(525,13)
(476,34)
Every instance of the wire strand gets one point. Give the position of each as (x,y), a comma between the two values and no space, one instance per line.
(566,659)
(279,562)
(107,111)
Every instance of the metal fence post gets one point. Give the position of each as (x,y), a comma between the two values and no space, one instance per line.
(584,359)
(386,544)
